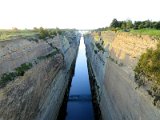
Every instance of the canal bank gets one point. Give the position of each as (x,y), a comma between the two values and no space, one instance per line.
(39,70)
(111,66)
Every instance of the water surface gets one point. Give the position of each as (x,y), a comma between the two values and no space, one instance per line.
(79,105)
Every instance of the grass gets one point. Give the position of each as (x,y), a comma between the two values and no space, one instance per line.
(151,32)
(41,32)
(7,34)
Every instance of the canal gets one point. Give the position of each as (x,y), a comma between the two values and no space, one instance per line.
(79,105)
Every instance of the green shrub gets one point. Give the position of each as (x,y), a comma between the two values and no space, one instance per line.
(95,51)
(19,71)
(24,67)
(149,65)
(43,33)
(50,33)
(6,77)
(99,46)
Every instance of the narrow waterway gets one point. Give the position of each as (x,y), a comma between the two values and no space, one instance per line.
(79,105)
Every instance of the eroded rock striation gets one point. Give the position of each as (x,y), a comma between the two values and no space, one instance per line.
(112,58)
(35,92)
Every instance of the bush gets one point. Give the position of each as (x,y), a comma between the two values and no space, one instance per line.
(99,46)
(149,65)
(6,77)
(24,67)
(19,71)
(43,33)
(95,51)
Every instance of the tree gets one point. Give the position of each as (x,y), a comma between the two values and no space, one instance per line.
(14,29)
(129,24)
(147,24)
(157,25)
(43,33)
(35,29)
(114,23)
(137,24)
(123,26)
(153,25)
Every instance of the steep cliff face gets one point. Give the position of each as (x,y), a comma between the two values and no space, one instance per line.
(119,97)
(35,93)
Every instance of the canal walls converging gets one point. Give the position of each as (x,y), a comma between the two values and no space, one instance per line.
(61,78)
(79,106)
(78,102)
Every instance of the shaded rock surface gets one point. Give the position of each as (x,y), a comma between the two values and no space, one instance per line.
(38,94)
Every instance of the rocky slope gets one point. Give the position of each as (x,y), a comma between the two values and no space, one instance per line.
(112,58)
(35,93)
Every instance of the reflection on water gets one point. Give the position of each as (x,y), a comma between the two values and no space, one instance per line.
(79,105)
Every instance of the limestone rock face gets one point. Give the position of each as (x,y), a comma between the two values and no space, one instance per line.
(119,97)
(38,94)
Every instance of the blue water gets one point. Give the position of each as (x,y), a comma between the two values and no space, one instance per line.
(79,106)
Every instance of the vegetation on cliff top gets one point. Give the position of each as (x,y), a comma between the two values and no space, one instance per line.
(40,32)
(147,27)
(151,32)
(7,34)
(136,25)
(50,33)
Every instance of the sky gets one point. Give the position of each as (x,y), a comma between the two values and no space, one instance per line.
(80,14)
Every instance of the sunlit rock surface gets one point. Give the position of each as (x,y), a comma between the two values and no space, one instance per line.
(119,97)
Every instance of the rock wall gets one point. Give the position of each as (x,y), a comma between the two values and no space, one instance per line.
(38,94)
(119,97)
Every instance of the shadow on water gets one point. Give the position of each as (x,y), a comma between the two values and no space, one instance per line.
(77,104)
